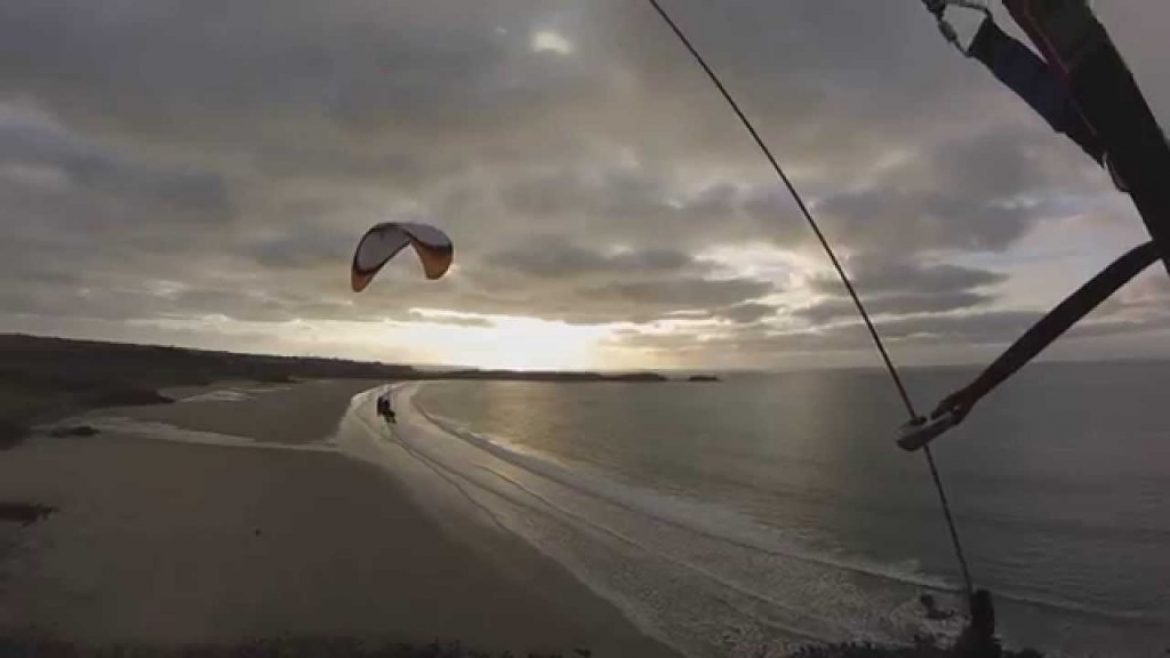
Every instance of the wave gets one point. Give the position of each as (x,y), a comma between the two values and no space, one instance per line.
(220,395)
(157,431)
(703,518)
(1071,607)
(232,394)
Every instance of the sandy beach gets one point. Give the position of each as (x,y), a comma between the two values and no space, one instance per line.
(282,413)
(170,543)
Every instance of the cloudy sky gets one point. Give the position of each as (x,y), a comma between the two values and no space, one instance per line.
(196,172)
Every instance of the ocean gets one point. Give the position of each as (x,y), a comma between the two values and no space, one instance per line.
(749,516)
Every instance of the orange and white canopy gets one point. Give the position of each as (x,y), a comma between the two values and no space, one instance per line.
(385,240)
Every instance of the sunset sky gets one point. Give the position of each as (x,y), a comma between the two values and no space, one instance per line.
(197,172)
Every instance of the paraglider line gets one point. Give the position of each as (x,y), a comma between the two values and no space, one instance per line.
(942,496)
(812,222)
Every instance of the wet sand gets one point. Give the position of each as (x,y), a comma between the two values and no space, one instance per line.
(171,543)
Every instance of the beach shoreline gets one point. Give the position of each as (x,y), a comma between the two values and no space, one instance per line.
(169,543)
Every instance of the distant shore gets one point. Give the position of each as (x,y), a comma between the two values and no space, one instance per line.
(44,378)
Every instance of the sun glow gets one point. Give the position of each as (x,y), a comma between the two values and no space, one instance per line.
(516,343)
(551,42)
(431,337)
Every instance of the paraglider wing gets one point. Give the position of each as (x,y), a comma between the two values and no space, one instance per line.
(384,241)
(434,248)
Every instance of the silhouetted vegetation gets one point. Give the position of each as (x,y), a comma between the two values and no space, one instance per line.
(30,647)
(24,513)
(924,647)
(78,431)
(36,647)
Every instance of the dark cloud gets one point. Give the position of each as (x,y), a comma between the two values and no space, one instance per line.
(984,327)
(56,163)
(954,337)
(884,277)
(967,329)
(900,288)
(901,304)
(306,247)
(457,320)
(747,313)
(557,258)
(682,294)
(976,192)
(555,279)
(591,302)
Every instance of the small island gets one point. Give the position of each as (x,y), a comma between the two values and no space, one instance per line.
(703,378)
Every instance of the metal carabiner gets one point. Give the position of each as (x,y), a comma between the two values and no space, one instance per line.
(920,431)
(939,9)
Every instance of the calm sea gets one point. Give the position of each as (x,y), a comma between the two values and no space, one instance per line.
(767,510)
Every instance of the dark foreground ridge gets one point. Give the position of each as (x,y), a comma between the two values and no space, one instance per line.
(354,648)
(46,378)
(23,513)
(924,649)
(286,648)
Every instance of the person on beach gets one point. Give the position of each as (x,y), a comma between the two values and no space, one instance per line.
(384,409)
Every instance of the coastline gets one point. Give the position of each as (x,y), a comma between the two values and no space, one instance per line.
(169,544)
(43,379)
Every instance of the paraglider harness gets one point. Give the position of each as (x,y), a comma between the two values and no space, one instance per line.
(1084,90)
